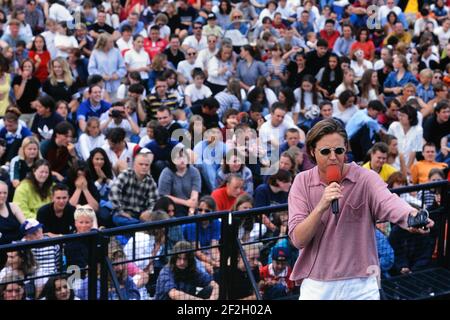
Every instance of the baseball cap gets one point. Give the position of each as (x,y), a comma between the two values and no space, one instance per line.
(279,254)
(211,16)
(30,226)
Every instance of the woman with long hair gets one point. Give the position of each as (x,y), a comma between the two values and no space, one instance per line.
(277,68)
(348,83)
(58,288)
(395,81)
(234,163)
(40,56)
(287,96)
(100,171)
(60,84)
(82,190)
(249,69)
(307,96)
(11,217)
(21,164)
(34,191)
(159,65)
(5,86)
(330,77)
(369,88)
(223,14)
(91,139)
(395,158)
(107,61)
(23,263)
(363,43)
(26,89)
(230,98)
(220,69)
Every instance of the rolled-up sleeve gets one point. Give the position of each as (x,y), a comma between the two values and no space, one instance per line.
(297,206)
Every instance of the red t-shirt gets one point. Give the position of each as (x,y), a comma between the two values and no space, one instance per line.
(223,201)
(330,38)
(367,47)
(266,273)
(153,48)
(42,71)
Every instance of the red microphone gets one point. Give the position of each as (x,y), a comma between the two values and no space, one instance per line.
(333,174)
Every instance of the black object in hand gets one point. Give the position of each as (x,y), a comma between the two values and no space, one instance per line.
(420,220)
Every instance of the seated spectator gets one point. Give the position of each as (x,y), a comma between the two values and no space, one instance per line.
(24,264)
(208,111)
(432,197)
(34,191)
(94,106)
(82,190)
(208,232)
(226,195)
(250,229)
(421,169)
(395,81)
(180,278)
(90,139)
(12,287)
(57,288)
(275,276)
(197,92)
(443,155)
(14,134)
(121,115)
(49,258)
(165,204)
(46,118)
(119,151)
(378,158)
(160,98)
(100,171)
(437,126)
(77,252)
(11,217)
(181,182)
(133,193)
(234,163)
(128,289)
(59,151)
(385,253)
(165,118)
(57,216)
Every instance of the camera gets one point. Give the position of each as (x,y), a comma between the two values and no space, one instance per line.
(420,220)
(116,113)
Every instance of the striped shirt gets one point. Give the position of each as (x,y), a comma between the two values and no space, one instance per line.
(49,259)
(152,102)
(133,196)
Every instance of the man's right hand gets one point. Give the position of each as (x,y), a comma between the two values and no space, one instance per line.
(332,191)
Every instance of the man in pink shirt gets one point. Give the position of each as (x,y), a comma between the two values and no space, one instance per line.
(339,258)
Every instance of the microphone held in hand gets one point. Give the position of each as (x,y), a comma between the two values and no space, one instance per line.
(333,174)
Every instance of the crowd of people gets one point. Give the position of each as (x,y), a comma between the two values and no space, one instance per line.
(116,112)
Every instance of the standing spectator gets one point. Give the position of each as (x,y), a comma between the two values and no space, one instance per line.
(40,57)
(133,193)
(57,216)
(34,191)
(107,61)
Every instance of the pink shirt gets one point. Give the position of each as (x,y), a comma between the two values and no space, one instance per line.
(346,247)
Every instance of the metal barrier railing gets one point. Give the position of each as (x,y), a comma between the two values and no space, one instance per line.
(230,246)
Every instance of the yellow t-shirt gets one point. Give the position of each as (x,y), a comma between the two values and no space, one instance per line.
(386,170)
(412,6)
(4,93)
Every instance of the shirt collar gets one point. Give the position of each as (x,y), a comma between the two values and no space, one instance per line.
(351,175)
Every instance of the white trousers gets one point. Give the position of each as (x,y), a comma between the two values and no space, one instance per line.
(349,289)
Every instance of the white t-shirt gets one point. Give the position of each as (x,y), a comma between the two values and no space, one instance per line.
(359,70)
(203,57)
(126,155)
(409,142)
(341,88)
(124,45)
(343,115)
(442,36)
(185,69)
(88,143)
(192,42)
(135,59)
(197,94)
(64,41)
(59,13)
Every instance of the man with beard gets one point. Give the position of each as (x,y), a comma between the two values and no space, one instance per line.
(179,279)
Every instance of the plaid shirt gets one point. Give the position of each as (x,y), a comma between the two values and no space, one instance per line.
(133,196)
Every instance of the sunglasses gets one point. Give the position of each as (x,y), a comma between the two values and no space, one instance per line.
(196,28)
(192,53)
(327,151)
(203,210)
(237,17)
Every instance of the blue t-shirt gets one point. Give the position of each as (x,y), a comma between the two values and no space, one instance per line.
(161,153)
(205,235)
(86,111)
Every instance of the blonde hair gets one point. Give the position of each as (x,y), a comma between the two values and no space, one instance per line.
(158,60)
(85,211)
(25,143)
(68,80)
(102,41)
(426,73)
